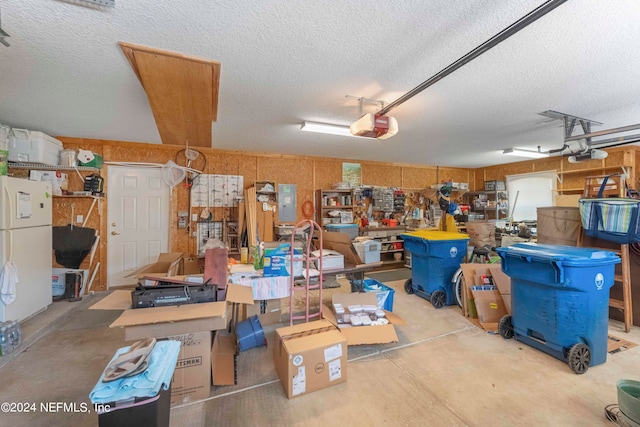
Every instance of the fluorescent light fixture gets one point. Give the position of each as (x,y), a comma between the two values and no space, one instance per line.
(326,128)
(525,153)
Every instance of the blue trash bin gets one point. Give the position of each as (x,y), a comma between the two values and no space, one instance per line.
(435,257)
(560,300)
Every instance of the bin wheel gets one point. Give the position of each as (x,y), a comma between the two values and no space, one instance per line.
(505,327)
(458,289)
(579,358)
(408,286)
(438,298)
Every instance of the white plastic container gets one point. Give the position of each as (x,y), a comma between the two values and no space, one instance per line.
(355,309)
(27,146)
(368,251)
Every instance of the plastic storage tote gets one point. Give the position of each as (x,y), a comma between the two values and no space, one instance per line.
(435,257)
(560,300)
(384,294)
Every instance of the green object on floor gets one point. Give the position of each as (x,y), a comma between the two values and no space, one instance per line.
(629,399)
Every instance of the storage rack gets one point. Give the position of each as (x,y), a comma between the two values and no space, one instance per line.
(329,200)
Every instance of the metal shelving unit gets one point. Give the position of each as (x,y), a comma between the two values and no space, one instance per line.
(40,166)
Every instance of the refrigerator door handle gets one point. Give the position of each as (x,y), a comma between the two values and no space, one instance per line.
(10,202)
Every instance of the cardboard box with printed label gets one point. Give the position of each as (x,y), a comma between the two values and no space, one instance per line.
(192,324)
(277,260)
(357,335)
(309,357)
(59,180)
(191,377)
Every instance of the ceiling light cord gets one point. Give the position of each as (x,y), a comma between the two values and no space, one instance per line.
(523,22)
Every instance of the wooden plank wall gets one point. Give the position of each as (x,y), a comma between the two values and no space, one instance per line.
(308,173)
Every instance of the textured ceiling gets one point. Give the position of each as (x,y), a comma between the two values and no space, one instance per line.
(283,62)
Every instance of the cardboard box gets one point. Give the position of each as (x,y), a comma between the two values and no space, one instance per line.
(191,377)
(168,264)
(368,251)
(472,273)
(357,335)
(277,260)
(190,323)
(224,359)
(59,181)
(341,243)
(490,308)
(190,265)
(309,357)
(272,311)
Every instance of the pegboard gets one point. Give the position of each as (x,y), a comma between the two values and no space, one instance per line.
(214,190)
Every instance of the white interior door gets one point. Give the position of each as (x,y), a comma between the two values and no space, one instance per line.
(138,221)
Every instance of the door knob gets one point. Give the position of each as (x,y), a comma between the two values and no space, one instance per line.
(113,233)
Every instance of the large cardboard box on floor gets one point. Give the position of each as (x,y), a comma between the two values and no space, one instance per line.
(191,324)
(357,335)
(487,306)
(309,357)
(168,264)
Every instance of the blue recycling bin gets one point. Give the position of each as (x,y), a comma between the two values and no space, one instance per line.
(435,257)
(560,300)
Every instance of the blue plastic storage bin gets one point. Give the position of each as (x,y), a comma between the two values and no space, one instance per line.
(435,257)
(383,293)
(250,334)
(560,299)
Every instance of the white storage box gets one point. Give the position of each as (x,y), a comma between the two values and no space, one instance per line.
(27,146)
(368,251)
(331,260)
(59,181)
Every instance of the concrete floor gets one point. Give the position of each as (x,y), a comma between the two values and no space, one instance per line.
(444,371)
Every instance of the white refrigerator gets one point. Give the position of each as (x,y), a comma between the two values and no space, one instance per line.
(25,240)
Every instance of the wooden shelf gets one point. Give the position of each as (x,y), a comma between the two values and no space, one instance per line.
(77,196)
(603,168)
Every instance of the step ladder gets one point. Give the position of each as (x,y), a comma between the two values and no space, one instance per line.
(312,285)
(624,278)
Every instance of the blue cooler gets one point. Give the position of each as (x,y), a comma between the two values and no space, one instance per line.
(435,257)
(560,300)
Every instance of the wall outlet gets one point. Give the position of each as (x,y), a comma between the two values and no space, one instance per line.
(194,217)
(79,219)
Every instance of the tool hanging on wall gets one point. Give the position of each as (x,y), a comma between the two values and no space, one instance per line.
(192,159)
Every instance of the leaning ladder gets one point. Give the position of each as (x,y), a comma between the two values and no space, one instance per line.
(310,284)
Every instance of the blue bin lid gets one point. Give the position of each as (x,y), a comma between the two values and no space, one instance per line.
(342,225)
(569,255)
(436,235)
